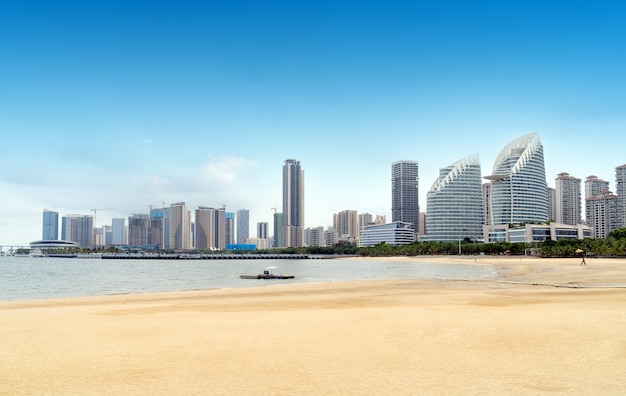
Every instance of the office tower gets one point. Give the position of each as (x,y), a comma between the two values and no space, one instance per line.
(77,228)
(293,203)
(620,189)
(568,202)
(454,202)
(179,226)
(230,228)
(262,229)
(519,193)
(345,224)
(108,235)
(601,214)
(314,236)
(278,230)
(138,229)
(595,186)
(118,231)
(210,228)
(405,193)
(243,225)
(50,231)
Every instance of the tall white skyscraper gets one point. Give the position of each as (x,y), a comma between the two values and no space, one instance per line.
(293,204)
(405,193)
(454,202)
(568,201)
(519,193)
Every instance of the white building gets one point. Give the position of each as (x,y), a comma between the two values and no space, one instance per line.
(395,233)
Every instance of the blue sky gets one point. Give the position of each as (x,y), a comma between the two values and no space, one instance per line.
(118,105)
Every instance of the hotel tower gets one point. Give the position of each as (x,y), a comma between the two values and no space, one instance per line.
(293,204)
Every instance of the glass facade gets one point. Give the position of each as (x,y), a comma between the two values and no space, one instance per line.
(405,193)
(454,208)
(396,233)
(519,193)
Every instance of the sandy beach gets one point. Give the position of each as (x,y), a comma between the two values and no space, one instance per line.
(544,326)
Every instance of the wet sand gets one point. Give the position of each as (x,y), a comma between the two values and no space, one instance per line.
(544,326)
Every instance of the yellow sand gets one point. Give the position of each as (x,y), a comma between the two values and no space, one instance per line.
(399,337)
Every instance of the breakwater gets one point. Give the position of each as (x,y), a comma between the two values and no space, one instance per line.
(188,256)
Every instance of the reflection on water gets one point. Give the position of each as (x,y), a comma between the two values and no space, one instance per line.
(25,278)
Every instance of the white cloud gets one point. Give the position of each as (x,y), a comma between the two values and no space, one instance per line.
(228,170)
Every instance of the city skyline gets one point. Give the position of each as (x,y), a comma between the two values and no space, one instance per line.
(114,109)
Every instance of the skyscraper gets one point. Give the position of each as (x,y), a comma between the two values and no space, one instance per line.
(293,204)
(405,193)
(230,228)
(519,193)
(118,231)
(50,229)
(278,230)
(601,214)
(243,225)
(620,190)
(77,228)
(138,229)
(595,186)
(568,201)
(345,224)
(180,226)
(210,228)
(261,230)
(454,202)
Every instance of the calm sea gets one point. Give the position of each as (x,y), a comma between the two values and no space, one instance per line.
(27,278)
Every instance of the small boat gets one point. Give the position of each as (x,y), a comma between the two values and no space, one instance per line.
(267,274)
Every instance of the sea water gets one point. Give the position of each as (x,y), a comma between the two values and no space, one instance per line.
(27,278)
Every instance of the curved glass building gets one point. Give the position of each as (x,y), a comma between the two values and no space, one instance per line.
(519,193)
(454,202)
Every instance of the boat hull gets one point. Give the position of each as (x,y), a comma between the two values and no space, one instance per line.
(261,276)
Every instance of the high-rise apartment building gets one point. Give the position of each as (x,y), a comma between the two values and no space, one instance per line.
(551,204)
(620,190)
(210,228)
(346,225)
(278,230)
(50,231)
(262,229)
(314,236)
(179,226)
(293,204)
(230,228)
(138,229)
(243,225)
(454,202)
(568,201)
(601,214)
(118,231)
(158,219)
(595,187)
(364,219)
(405,193)
(486,189)
(77,228)
(519,193)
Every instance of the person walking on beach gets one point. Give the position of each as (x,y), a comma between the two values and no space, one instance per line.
(582,255)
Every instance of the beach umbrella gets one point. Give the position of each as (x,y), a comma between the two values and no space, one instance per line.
(271,267)
(579,251)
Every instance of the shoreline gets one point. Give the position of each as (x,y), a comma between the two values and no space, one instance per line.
(400,336)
